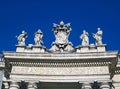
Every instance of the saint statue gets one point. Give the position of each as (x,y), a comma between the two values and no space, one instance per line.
(84,38)
(21,38)
(98,37)
(38,38)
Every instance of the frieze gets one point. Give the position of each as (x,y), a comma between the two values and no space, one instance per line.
(60,71)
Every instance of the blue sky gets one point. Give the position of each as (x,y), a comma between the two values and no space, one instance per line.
(31,15)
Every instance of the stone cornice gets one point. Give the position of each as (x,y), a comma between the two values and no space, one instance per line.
(62,59)
(61,56)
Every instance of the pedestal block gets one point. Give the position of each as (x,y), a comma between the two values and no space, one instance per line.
(20,48)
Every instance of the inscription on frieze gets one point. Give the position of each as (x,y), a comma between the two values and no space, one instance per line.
(60,70)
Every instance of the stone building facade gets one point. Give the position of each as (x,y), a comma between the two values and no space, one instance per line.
(87,66)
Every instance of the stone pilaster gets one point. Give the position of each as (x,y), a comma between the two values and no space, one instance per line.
(32,86)
(105,86)
(14,85)
(86,86)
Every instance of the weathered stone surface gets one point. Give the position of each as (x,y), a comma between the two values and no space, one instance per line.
(60,70)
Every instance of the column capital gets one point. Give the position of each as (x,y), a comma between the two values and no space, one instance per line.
(14,85)
(105,85)
(32,85)
(86,85)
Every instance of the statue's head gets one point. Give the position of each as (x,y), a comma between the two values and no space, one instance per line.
(23,31)
(84,31)
(99,29)
(39,31)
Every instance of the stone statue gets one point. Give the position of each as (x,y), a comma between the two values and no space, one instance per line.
(21,38)
(38,38)
(98,37)
(84,38)
(61,32)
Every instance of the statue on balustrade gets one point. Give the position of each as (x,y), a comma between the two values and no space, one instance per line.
(98,37)
(84,38)
(21,38)
(38,38)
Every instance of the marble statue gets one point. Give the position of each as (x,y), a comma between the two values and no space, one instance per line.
(84,38)
(98,37)
(38,38)
(61,32)
(21,38)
